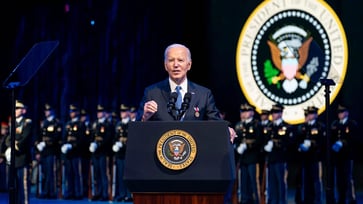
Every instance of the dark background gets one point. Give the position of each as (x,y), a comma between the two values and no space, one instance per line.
(112,61)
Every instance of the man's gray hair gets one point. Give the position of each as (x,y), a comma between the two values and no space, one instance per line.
(177,45)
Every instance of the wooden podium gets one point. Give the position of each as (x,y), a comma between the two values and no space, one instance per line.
(203,175)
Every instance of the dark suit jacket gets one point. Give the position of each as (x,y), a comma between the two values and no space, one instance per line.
(202,105)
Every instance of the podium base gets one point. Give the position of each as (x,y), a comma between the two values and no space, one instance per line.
(178,198)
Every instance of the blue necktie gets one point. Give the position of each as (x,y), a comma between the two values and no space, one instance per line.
(179,99)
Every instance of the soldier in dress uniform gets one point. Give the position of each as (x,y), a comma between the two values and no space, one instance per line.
(264,124)
(74,130)
(344,137)
(277,142)
(248,146)
(85,153)
(47,151)
(133,113)
(3,166)
(310,140)
(23,141)
(119,147)
(100,148)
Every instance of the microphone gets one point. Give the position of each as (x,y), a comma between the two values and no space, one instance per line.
(186,101)
(171,104)
(185,104)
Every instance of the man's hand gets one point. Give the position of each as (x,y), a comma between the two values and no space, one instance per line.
(232,134)
(150,109)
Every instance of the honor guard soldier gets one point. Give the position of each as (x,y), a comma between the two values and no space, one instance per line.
(344,137)
(119,147)
(248,146)
(264,124)
(48,149)
(277,142)
(100,148)
(3,166)
(72,179)
(310,140)
(23,145)
(133,113)
(85,154)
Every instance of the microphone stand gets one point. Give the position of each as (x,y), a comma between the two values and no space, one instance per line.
(330,176)
(184,106)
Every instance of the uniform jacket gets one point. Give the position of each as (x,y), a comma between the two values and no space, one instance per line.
(249,133)
(23,139)
(347,133)
(51,134)
(74,131)
(282,137)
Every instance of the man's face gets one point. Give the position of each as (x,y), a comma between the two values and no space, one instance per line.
(342,114)
(124,114)
(276,115)
(4,130)
(264,117)
(177,64)
(100,114)
(311,116)
(19,112)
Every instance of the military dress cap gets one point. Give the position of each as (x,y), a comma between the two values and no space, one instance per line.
(341,108)
(133,109)
(123,107)
(73,108)
(265,112)
(246,107)
(306,112)
(19,104)
(83,112)
(100,108)
(47,107)
(311,109)
(277,108)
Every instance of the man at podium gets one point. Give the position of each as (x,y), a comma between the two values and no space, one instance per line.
(177,98)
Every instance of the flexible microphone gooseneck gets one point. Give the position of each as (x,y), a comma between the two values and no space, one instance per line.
(171,105)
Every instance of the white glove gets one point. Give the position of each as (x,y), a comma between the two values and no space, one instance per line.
(117,146)
(269,146)
(241,148)
(305,146)
(307,143)
(69,146)
(41,145)
(93,147)
(337,146)
(64,148)
(8,155)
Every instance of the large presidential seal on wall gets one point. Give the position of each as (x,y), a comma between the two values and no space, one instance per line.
(284,50)
(176,149)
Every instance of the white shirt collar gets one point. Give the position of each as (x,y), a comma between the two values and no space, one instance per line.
(248,120)
(344,120)
(184,86)
(18,119)
(278,121)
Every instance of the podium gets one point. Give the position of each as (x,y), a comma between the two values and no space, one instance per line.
(179,162)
